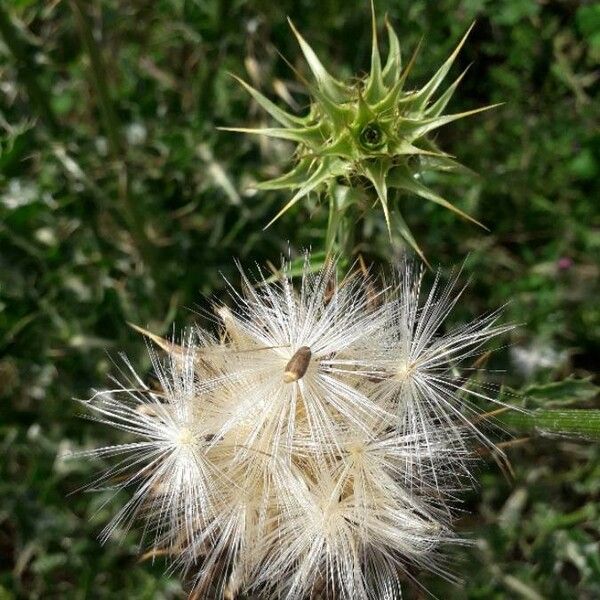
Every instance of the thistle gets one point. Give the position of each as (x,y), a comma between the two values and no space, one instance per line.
(312,448)
(363,135)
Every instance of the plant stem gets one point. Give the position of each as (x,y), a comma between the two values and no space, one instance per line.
(340,236)
(332,224)
(27,71)
(567,422)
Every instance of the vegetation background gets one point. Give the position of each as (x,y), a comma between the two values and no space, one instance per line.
(120,201)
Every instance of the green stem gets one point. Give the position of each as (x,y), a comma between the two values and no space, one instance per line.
(568,422)
(332,222)
(340,236)
(27,70)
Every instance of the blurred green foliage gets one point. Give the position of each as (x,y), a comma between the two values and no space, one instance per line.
(121,202)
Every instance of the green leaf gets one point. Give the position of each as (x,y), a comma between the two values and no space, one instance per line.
(440,104)
(374,88)
(293,179)
(403,147)
(300,265)
(393,66)
(401,226)
(281,116)
(326,170)
(327,84)
(311,136)
(420,127)
(560,393)
(376,171)
(401,178)
(432,85)
(394,95)
(340,114)
(444,163)
(342,146)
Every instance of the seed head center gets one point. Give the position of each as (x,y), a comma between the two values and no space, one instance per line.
(404,371)
(297,365)
(185,437)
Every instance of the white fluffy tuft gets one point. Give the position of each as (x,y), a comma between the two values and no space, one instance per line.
(314,447)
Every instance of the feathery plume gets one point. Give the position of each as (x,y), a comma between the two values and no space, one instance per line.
(424,368)
(170,462)
(301,355)
(315,446)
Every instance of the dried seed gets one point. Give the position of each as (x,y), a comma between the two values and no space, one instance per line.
(297,365)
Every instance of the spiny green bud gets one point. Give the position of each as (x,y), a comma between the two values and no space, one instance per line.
(370,133)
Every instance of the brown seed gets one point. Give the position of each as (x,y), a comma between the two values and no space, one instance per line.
(297,365)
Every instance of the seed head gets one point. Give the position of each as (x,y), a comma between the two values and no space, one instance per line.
(316,443)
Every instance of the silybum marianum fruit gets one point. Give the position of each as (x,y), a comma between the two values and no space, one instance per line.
(366,136)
